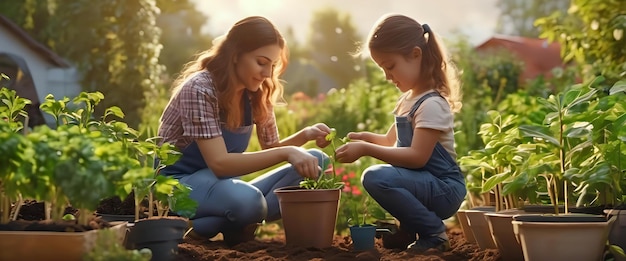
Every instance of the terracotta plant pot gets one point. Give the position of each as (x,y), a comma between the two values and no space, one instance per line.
(160,235)
(461,216)
(561,237)
(363,237)
(501,228)
(309,215)
(46,245)
(617,232)
(480,227)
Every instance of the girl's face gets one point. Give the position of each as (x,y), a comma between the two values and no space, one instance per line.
(402,70)
(254,67)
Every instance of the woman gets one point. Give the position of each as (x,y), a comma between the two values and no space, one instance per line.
(216,101)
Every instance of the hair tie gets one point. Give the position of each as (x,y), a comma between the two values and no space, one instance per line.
(426,28)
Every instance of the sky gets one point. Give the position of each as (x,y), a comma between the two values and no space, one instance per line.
(475,19)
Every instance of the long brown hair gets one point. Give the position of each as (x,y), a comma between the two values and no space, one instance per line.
(400,34)
(244,36)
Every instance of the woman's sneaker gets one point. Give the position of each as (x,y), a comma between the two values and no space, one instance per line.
(439,242)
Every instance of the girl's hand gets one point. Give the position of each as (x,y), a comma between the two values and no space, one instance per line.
(305,164)
(355,135)
(318,133)
(349,152)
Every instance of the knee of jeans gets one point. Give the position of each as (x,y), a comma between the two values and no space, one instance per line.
(372,178)
(319,154)
(248,206)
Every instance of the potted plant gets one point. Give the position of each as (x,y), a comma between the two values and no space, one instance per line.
(108,247)
(160,231)
(12,149)
(610,161)
(309,211)
(492,227)
(362,230)
(73,165)
(564,146)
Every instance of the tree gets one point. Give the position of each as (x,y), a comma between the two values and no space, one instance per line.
(517,17)
(32,16)
(591,33)
(301,75)
(114,44)
(331,43)
(181,35)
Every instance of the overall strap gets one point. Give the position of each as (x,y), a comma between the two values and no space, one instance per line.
(419,102)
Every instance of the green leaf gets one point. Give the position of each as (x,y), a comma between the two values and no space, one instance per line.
(619,86)
(115,111)
(539,132)
(378,213)
(581,98)
(617,251)
(494,180)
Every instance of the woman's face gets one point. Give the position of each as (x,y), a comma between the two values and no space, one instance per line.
(254,67)
(402,70)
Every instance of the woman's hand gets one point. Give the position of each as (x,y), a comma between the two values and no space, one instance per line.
(305,164)
(318,133)
(350,152)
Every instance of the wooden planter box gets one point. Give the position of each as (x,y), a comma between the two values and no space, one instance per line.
(44,245)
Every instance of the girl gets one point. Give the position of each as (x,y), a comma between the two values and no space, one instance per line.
(216,101)
(421,183)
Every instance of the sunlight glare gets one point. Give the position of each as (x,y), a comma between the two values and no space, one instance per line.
(258,7)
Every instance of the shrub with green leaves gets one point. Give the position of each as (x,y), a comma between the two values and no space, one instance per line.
(570,147)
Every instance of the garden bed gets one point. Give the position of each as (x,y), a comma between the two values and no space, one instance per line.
(271,246)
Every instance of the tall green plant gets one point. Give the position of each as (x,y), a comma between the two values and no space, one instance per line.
(83,158)
(601,178)
(12,145)
(496,165)
(564,140)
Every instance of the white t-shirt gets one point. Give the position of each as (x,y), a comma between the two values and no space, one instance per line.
(434,113)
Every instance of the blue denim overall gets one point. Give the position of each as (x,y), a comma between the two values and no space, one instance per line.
(229,203)
(419,198)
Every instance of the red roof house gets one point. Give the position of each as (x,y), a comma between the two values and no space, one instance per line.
(539,56)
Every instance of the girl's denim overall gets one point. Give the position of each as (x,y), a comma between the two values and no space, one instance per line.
(419,198)
(230,203)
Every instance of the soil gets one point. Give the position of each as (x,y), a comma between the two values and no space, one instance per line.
(115,206)
(273,247)
(269,244)
(32,218)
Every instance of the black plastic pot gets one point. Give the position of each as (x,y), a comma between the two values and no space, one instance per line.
(160,235)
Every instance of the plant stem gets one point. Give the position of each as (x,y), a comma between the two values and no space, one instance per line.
(4,208)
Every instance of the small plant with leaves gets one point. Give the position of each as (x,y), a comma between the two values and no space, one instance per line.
(13,184)
(325,180)
(365,210)
(108,248)
(83,161)
(162,192)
